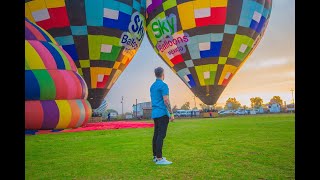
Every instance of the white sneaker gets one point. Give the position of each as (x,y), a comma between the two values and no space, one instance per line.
(155,158)
(163,162)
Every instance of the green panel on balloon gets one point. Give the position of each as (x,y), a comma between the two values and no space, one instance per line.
(84,63)
(111,56)
(169,4)
(222,60)
(242,44)
(102,44)
(206,74)
(46,84)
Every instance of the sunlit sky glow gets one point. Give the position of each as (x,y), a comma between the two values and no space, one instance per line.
(269,71)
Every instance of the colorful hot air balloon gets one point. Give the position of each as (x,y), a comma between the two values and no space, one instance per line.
(55,94)
(205,42)
(101,36)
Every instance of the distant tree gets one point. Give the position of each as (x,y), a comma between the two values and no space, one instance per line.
(111,111)
(232,103)
(245,107)
(256,102)
(195,108)
(185,106)
(175,108)
(128,113)
(276,99)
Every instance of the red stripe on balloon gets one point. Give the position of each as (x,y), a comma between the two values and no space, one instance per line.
(88,111)
(77,88)
(70,85)
(103,83)
(45,54)
(226,81)
(177,59)
(33,115)
(58,18)
(217,16)
(60,83)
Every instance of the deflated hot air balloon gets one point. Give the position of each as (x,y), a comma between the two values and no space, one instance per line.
(55,94)
(101,36)
(205,42)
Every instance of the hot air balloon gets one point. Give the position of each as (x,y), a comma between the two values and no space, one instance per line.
(55,94)
(101,36)
(205,42)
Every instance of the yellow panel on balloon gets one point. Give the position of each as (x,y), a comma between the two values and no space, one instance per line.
(36,5)
(219,3)
(227,69)
(33,59)
(186,15)
(65,114)
(116,65)
(27,13)
(95,71)
(199,4)
(55,3)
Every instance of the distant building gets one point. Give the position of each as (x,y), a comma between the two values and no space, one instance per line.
(113,115)
(128,116)
(142,110)
(275,108)
(259,110)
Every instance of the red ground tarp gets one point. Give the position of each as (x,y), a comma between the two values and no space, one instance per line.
(103,126)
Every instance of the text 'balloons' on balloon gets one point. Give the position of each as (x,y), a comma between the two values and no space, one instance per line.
(55,94)
(101,36)
(205,42)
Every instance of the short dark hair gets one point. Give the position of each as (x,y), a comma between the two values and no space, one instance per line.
(158,72)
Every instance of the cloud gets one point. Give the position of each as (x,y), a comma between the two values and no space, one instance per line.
(265,63)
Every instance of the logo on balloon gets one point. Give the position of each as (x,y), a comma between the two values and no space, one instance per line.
(169,41)
(131,40)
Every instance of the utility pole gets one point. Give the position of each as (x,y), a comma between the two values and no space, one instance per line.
(122,104)
(137,108)
(292,96)
(195,104)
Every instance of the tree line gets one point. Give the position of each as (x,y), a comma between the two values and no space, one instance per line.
(233,103)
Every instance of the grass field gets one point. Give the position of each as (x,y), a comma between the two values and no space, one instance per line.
(239,147)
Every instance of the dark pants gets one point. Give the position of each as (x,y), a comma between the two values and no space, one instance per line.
(160,131)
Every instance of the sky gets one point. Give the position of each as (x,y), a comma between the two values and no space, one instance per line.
(270,71)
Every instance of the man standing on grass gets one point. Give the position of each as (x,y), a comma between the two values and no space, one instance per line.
(161,111)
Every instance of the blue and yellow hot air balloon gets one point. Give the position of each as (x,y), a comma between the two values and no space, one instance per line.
(101,36)
(205,42)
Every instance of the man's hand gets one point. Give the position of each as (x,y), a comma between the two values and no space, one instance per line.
(171,117)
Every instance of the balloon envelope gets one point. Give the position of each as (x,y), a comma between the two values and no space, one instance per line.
(205,42)
(55,94)
(101,36)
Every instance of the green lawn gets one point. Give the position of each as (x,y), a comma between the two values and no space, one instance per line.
(239,147)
